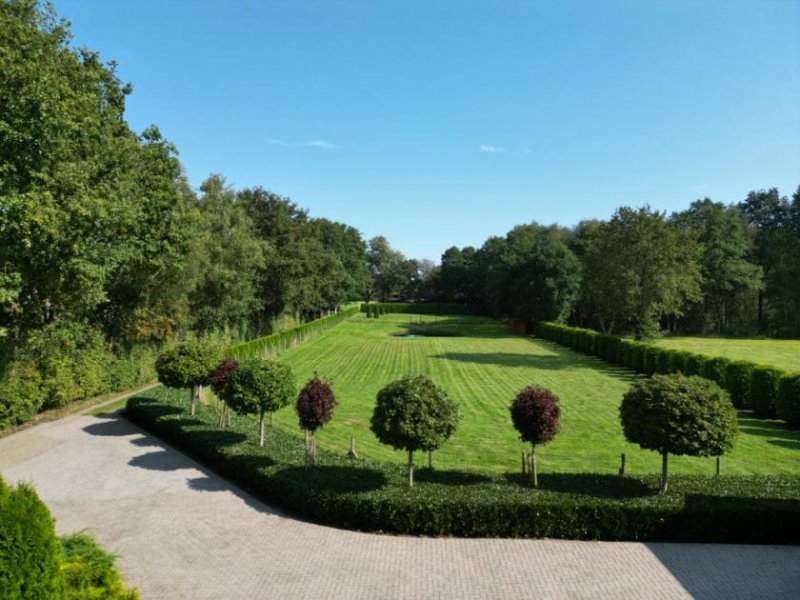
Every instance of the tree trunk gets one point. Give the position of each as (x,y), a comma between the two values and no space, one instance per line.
(308,449)
(410,468)
(533,468)
(191,400)
(270,418)
(430,459)
(760,311)
(664,459)
(261,429)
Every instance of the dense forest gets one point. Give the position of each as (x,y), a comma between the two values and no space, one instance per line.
(107,252)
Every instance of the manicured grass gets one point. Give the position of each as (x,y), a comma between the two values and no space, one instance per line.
(482,370)
(783,354)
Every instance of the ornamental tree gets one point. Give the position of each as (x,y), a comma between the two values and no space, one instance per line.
(411,414)
(219,380)
(260,386)
(676,414)
(536,415)
(315,404)
(187,365)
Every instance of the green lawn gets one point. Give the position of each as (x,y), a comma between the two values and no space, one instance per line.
(784,354)
(482,371)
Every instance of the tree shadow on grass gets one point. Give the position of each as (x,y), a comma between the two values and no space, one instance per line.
(792,444)
(334,478)
(586,484)
(509,359)
(770,429)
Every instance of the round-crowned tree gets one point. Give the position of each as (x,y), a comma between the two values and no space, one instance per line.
(219,380)
(187,365)
(537,416)
(413,413)
(260,386)
(315,404)
(676,414)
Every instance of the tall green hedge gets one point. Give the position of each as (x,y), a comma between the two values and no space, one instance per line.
(768,391)
(29,549)
(278,342)
(737,381)
(764,391)
(788,404)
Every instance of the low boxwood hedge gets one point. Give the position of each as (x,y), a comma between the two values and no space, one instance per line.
(764,386)
(788,402)
(373,496)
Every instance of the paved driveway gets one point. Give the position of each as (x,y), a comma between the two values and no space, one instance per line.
(183,532)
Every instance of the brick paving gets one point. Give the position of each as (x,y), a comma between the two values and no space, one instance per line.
(182,532)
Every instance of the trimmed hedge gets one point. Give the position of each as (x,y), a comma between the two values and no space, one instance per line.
(737,382)
(788,404)
(422,308)
(750,385)
(764,386)
(373,496)
(278,342)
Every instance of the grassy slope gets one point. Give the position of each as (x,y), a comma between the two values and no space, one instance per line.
(483,371)
(784,354)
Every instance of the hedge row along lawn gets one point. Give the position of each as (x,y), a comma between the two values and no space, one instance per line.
(483,370)
(782,354)
(374,496)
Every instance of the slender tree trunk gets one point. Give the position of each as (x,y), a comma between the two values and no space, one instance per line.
(430,459)
(261,429)
(270,418)
(760,311)
(664,460)
(308,449)
(533,468)
(192,400)
(410,468)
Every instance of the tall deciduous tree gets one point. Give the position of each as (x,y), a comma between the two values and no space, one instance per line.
(729,279)
(640,269)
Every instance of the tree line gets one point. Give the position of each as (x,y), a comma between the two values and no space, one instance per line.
(712,268)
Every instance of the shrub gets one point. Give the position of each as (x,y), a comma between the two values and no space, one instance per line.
(536,416)
(663,361)
(715,369)
(90,572)
(20,393)
(29,548)
(612,345)
(260,386)
(764,391)
(650,358)
(788,403)
(639,361)
(675,414)
(411,414)
(220,377)
(315,404)
(679,362)
(694,364)
(738,376)
(187,365)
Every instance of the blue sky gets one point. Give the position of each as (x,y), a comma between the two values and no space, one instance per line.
(443,123)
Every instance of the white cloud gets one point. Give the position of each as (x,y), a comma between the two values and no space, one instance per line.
(319,144)
(501,150)
(306,144)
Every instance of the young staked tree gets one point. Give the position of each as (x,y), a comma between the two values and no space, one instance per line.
(536,415)
(315,404)
(260,386)
(413,413)
(219,380)
(675,414)
(187,365)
